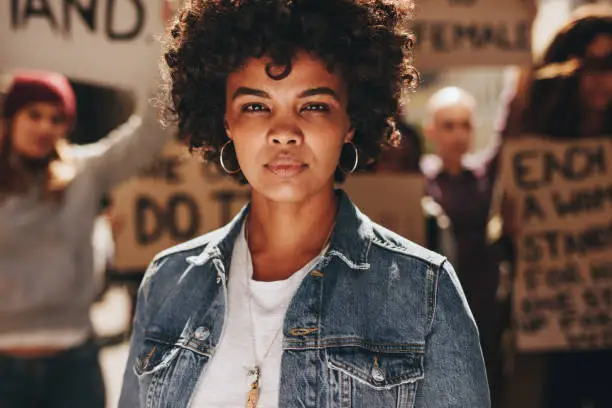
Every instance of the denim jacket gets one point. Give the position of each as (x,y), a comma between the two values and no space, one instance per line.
(378,322)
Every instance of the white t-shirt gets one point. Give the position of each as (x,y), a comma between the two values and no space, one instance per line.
(225,382)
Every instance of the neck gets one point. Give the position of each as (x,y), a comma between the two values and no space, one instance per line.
(452,165)
(284,236)
(35,165)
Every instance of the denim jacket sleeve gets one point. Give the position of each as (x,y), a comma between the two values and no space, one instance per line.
(130,392)
(455,374)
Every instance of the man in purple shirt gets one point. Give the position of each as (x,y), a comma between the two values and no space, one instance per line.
(462,185)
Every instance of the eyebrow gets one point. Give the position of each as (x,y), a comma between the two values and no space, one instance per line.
(243,90)
(323,90)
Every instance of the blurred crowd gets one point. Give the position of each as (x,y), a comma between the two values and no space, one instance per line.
(47,341)
(566,95)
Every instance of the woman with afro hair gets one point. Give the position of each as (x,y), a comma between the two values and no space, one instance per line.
(301,300)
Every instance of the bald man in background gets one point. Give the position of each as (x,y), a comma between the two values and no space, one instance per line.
(462,185)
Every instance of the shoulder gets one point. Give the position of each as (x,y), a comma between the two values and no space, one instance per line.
(431,274)
(416,271)
(169,265)
(431,166)
(394,245)
(193,246)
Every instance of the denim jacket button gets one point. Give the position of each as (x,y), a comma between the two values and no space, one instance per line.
(378,374)
(201,333)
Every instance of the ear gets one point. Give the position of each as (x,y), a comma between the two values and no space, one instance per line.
(349,135)
(430,131)
(227,128)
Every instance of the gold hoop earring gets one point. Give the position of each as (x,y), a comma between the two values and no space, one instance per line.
(225,169)
(355,164)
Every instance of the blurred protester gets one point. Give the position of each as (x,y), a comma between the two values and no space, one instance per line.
(49,202)
(403,155)
(571,82)
(569,96)
(462,186)
(103,252)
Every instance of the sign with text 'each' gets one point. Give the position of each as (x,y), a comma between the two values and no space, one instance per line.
(562,211)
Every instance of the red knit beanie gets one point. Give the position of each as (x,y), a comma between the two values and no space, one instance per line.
(39,86)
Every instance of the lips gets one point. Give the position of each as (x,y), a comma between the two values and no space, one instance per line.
(44,143)
(286,166)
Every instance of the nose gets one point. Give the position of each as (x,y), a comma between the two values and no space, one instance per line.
(285,132)
(46,126)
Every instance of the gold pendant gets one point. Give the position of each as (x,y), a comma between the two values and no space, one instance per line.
(253,395)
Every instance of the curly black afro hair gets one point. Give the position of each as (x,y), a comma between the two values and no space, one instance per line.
(366,41)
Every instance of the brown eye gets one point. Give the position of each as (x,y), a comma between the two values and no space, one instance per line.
(254,108)
(448,126)
(34,114)
(58,119)
(316,107)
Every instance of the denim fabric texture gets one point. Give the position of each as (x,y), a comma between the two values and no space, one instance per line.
(378,322)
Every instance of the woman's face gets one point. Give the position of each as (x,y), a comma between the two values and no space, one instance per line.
(36,128)
(288,133)
(596,85)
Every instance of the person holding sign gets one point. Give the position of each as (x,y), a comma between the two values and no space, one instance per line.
(50,196)
(551,183)
(452,176)
(301,300)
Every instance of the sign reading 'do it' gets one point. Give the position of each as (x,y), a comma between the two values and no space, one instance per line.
(177,198)
(472,32)
(562,196)
(174,199)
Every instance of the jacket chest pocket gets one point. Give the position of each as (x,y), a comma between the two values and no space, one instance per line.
(167,372)
(361,378)
(155,355)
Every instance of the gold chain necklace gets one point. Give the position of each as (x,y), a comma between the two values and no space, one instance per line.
(253,394)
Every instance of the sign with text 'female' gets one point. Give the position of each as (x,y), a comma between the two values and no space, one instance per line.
(562,213)
(452,33)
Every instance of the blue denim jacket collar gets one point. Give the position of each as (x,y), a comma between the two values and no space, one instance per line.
(350,240)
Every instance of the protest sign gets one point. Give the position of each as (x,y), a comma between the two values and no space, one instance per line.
(472,32)
(106,42)
(174,199)
(562,214)
(391,200)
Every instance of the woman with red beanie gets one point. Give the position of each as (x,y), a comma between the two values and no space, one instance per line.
(49,199)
